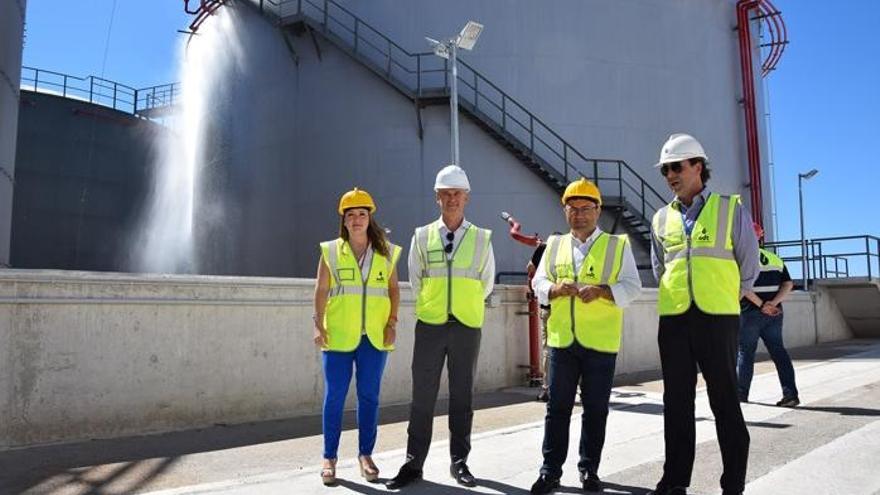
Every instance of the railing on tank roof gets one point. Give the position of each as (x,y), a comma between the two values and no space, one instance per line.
(100,91)
(423,75)
(833,257)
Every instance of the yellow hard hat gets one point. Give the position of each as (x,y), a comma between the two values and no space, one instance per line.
(356,198)
(582,188)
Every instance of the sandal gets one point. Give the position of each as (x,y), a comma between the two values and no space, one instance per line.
(368,469)
(328,473)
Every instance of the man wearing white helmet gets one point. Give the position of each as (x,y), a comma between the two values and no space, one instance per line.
(452,271)
(705,256)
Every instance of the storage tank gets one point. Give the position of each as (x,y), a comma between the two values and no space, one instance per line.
(330,101)
(322,96)
(11,37)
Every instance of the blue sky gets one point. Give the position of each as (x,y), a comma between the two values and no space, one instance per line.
(824,95)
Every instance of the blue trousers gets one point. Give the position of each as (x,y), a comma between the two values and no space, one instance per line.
(594,372)
(369,363)
(753,325)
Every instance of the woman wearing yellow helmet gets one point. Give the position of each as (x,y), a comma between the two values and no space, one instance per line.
(356,301)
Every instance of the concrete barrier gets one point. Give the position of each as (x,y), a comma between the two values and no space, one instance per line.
(98,355)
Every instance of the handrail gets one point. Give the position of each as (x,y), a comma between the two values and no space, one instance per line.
(516,122)
(857,261)
(100,91)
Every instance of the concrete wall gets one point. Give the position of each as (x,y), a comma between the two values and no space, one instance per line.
(90,355)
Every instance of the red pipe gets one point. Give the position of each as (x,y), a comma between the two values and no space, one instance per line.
(202,12)
(779,37)
(535,374)
(778,33)
(528,240)
(748,80)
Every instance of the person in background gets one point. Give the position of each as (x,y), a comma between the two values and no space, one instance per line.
(761,317)
(544,313)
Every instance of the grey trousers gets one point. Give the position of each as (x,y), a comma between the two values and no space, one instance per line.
(459,346)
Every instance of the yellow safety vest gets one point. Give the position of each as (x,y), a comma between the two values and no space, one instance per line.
(699,267)
(355,306)
(452,286)
(598,324)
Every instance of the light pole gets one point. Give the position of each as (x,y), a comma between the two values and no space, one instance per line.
(448,49)
(801,177)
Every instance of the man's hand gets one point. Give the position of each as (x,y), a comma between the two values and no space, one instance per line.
(770,309)
(564,289)
(591,292)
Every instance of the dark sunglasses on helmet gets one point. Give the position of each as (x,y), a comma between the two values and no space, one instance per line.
(674,166)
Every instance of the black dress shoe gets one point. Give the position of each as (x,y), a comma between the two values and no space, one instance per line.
(544,485)
(590,482)
(405,476)
(663,490)
(462,474)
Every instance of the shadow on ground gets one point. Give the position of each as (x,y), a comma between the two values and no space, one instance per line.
(127,465)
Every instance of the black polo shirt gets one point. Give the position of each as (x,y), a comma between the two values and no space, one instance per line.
(767,285)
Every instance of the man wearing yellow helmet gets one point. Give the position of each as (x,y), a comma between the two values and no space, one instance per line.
(588,277)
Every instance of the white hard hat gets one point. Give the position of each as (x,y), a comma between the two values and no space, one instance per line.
(680,147)
(452,177)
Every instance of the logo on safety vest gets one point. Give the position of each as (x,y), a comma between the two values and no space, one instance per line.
(380,277)
(590,272)
(704,235)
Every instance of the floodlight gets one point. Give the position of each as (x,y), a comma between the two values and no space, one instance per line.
(467,38)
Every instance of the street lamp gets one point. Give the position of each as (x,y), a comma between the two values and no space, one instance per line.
(448,49)
(801,178)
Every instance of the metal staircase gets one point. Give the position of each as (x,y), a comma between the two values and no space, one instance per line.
(424,79)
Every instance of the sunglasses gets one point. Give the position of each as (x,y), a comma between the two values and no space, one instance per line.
(674,166)
(583,210)
(449,237)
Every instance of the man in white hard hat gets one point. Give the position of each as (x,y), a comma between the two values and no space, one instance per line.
(452,271)
(705,256)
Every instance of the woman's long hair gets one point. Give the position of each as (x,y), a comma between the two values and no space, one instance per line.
(375,234)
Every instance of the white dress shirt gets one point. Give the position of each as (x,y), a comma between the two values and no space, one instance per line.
(628,285)
(415,264)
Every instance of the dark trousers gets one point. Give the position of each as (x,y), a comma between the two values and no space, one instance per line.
(709,341)
(595,372)
(754,325)
(458,346)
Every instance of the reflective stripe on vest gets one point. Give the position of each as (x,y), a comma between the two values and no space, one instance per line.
(595,325)
(773,264)
(354,305)
(452,286)
(699,267)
